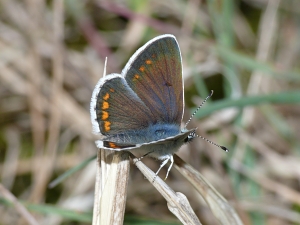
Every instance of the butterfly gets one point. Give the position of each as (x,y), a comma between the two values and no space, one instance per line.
(141,109)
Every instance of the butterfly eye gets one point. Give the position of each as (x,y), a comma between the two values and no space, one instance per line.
(190,137)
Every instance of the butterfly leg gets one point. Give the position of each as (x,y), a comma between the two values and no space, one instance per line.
(148,153)
(161,166)
(172,161)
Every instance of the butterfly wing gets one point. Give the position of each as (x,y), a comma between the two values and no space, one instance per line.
(154,73)
(159,148)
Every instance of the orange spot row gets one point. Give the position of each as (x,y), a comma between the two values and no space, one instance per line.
(105,114)
(148,62)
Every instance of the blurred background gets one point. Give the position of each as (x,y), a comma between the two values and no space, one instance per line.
(52,55)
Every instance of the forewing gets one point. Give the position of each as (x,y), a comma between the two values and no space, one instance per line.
(154,73)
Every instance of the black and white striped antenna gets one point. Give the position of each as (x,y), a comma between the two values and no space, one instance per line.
(213,143)
(220,146)
(211,93)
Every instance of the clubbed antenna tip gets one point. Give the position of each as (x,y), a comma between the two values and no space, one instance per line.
(213,143)
(224,148)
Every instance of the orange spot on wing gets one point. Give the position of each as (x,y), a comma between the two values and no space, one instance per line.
(113,145)
(105,115)
(106,96)
(142,69)
(112,90)
(148,61)
(107,125)
(136,76)
(105,105)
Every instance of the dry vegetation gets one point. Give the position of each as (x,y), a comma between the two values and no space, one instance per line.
(52,54)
